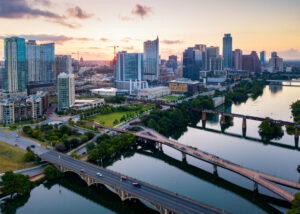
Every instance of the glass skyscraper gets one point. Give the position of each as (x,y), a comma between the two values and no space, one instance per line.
(129,66)
(151,60)
(227,51)
(193,61)
(47,62)
(16,75)
(66,91)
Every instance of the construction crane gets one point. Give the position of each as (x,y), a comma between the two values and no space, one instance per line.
(77,55)
(115,47)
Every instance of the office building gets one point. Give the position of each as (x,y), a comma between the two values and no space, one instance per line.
(238,59)
(194,61)
(151,60)
(214,60)
(227,51)
(33,59)
(276,63)
(2,77)
(47,66)
(66,91)
(183,85)
(251,62)
(15,65)
(63,64)
(129,66)
(263,57)
(172,63)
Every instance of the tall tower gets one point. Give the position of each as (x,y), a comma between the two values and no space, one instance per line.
(227,51)
(15,65)
(66,91)
(263,57)
(238,59)
(151,60)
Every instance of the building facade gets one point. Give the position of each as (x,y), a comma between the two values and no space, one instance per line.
(16,73)
(214,60)
(251,62)
(238,59)
(66,91)
(151,60)
(47,66)
(129,66)
(263,57)
(183,85)
(227,51)
(63,64)
(276,63)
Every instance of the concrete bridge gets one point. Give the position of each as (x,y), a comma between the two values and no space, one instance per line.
(166,202)
(258,178)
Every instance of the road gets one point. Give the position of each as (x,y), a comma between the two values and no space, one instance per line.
(147,192)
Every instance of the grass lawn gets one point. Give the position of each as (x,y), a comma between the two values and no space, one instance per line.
(108,119)
(171,98)
(21,133)
(12,158)
(6,130)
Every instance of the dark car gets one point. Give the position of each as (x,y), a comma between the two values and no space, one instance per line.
(32,146)
(136,185)
(82,170)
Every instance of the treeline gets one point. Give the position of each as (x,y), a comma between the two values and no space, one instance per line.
(115,99)
(295,109)
(63,137)
(170,122)
(240,93)
(106,147)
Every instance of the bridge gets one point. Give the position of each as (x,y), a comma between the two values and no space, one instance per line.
(287,82)
(266,181)
(166,202)
(224,114)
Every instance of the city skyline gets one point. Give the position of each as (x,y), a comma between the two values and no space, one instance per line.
(91,27)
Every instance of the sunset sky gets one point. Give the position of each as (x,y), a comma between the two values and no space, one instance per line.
(92,26)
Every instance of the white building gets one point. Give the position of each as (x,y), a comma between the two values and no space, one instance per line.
(105,92)
(152,93)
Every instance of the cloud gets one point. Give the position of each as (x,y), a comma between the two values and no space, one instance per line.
(290,54)
(172,42)
(77,12)
(59,39)
(126,39)
(141,10)
(45,3)
(104,39)
(17,9)
(125,18)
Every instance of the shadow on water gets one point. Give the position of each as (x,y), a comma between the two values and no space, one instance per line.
(260,200)
(10,205)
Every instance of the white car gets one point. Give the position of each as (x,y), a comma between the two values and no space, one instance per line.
(99,174)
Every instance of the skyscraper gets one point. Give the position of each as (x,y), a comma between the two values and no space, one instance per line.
(263,57)
(15,65)
(214,60)
(227,51)
(151,60)
(47,71)
(33,59)
(251,62)
(129,66)
(276,62)
(193,61)
(63,64)
(66,91)
(172,62)
(238,59)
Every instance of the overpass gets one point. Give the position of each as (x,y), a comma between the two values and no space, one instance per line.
(166,202)
(266,181)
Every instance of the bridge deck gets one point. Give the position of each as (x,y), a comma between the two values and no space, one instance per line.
(257,177)
(147,192)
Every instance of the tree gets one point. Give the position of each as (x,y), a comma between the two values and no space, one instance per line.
(15,183)
(268,130)
(93,155)
(74,155)
(52,173)
(90,135)
(29,157)
(90,146)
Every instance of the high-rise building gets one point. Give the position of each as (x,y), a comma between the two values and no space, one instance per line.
(227,51)
(276,62)
(172,62)
(238,59)
(66,91)
(263,57)
(47,66)
(129,66)
(214,60)
(2,77)
(15,65)
(63,64)
(151,60)
(33,59)
(251,62)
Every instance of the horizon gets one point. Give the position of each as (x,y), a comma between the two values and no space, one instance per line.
(91,27)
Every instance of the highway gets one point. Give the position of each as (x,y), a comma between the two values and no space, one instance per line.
(147,192)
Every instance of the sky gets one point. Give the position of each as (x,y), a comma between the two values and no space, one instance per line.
(91,27)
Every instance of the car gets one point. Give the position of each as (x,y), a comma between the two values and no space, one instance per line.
(32,146)
(82,170)
(135,184)
(99,174)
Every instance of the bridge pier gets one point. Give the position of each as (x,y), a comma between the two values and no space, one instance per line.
(183,156)
(215,169)
(297,133)
(223,120)
(244,125)
(255,187)
(159,146)
(204,116)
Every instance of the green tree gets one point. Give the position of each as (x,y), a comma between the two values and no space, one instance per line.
(15,183)
(93,155)
(29,157)
(52,173)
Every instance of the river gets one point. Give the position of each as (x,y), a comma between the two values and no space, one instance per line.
(194,179)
